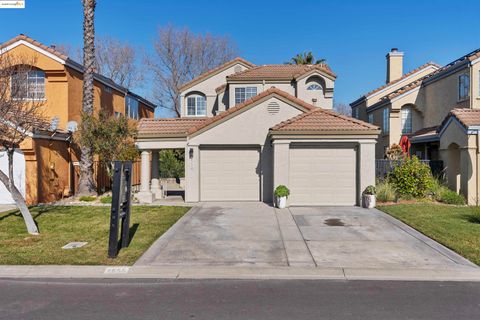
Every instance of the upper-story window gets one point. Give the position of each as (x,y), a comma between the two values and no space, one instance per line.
(29,85)
(355,112)
(463,86)
(314,87)
(245,93)
(370,118)
(131,107)
(406,115)
(386,120)
(196,106)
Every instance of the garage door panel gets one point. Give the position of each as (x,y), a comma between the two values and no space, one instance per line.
(230,174)
(323,176)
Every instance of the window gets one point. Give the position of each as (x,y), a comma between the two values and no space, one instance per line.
(386,120)
(355,112)
(131,107)
(406,120)
(314,87)
(463,87)
(370,118)
(196,106)
(31,87)
(242,94)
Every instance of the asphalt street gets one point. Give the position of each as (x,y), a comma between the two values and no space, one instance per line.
(237,299)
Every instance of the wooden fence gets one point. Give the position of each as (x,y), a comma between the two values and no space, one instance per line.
(383,166)
(103,180)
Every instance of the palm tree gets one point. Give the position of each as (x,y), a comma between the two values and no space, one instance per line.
(86,184)
(306,58)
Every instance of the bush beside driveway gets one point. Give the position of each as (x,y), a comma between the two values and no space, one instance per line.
(456,227)
(61,225)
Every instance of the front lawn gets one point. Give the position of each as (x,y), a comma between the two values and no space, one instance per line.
(61,225)
(457,227)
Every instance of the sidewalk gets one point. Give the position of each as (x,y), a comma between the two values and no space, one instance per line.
(243,273)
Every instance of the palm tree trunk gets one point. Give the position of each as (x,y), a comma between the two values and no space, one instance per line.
(86,184)
(9,183)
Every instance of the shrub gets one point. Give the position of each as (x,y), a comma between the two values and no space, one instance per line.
(107,199)
(370,190)
(385,191)
(411,178)
(282,191)
(87,198)
(172,164)
(451,197)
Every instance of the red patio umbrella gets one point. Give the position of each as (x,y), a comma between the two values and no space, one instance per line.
(405,144)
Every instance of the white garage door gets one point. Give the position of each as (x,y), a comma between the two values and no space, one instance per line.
(230,174)
(18,172)
(322,176)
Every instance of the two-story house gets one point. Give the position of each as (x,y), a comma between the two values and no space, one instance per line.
(246,129)
(433,106)
(46,165)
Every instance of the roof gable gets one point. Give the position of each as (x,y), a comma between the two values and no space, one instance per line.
(217,70)
(232,112)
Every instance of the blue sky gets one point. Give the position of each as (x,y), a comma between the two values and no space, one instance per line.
(353,36)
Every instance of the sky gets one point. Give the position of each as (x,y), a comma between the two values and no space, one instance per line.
(353,36)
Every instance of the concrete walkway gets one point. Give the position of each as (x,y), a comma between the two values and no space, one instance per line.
(257,235)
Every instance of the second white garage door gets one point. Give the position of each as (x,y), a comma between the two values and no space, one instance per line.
(323,176)
(230,174)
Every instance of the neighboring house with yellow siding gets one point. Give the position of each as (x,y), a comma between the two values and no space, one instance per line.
(46,166)
(438,108)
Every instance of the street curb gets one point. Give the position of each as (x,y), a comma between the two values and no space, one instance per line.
(235,273)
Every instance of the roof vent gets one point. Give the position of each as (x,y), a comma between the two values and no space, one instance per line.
(273,107)
(237,68)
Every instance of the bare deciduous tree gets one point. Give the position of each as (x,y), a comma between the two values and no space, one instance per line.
(86,185)
(180,56)
(118,61)
(20,115)
(342,108)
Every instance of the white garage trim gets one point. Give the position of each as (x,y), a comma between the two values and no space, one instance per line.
(323,174)
(230,173)
(18,172)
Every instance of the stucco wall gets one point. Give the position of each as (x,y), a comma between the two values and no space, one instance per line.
(247,128)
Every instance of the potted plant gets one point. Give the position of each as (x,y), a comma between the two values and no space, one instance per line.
(281,194)
(369,197)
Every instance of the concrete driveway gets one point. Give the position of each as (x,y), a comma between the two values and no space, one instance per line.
(255,234)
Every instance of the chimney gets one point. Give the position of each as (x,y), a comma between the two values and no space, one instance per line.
(394,65)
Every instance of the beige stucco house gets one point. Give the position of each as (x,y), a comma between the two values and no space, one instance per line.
(247,129)
(436,107)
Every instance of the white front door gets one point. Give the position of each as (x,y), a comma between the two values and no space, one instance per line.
(230,174)
(18,173)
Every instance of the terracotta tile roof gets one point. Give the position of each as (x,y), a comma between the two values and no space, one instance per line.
(406,75)
(221,88)
(271,91)
(323,120)
(279,72)
(215,70)
(174,126)
(467,117)
(36,43)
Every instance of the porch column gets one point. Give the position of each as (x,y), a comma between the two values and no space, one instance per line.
(155,186)
(145,195)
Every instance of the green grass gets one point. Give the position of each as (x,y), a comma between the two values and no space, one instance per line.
(457,227)
(107,199)
(61,225)
(87,198)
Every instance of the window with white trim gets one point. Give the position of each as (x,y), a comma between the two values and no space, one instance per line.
(131,107)
(196,106)
(463,87)
(314,87)
(244,93)
(29,85)
(406,116)
(370,118)
(386,120)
